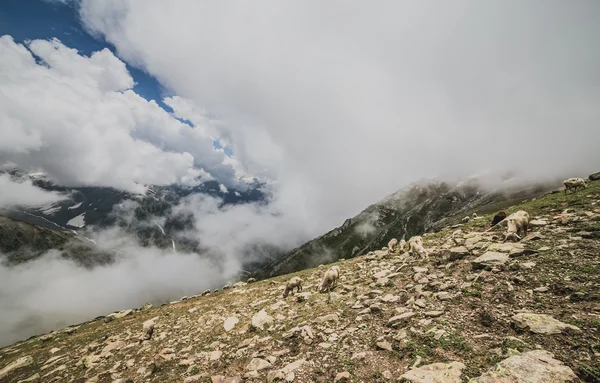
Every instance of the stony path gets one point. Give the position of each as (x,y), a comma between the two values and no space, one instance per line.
(477,310)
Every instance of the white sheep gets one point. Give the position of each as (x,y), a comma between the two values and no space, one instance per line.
(415,246)
(147,330)
(516,223)
(574,184)
(392,245)
(330,279)
(402,245)
(293,283)
(466,219)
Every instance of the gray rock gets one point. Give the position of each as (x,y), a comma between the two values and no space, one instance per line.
(541,323)
(257,364)
(436,373)
(399,320)
(537,366)
(490,259)
(384,345)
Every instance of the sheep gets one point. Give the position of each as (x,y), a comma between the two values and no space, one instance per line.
(330,279)
(474,215)
(499,217)
(251,280)
(293,283)
(516,222)
(466,219)
(415,246)
(574,184)
(392,245)
(147,330)
(402,245)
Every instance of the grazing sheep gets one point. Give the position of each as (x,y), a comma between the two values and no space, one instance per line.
(251,280)
(499,217)
(330,279)
(293,283)
(516,222)
(415,246)
(402,245)
(148,330)
(474,215)
(466,219)
(574,184)
(392,245)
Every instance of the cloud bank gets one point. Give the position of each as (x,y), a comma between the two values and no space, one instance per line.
(349,101)
(24,193)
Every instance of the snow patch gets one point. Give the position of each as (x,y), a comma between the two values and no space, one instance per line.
(75,206)
(78,221)
(49,209)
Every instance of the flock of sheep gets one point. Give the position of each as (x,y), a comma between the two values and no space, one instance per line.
(516,227)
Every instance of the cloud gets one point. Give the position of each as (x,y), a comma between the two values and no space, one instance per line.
(343,103)
(52,292)
(78,119)
(24,193)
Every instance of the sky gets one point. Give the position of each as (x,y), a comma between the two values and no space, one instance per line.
(333,105)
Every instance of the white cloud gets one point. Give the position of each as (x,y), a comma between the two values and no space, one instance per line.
(52,292)
(342,103)
(78,119)
(24,193)
(223,189)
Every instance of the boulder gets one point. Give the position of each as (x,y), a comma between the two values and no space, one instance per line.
(490,259)
(436,373)
(538,366)
(594,177)
(541,323)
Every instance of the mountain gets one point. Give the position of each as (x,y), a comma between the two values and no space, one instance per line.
(21,242)
(419,208)
(477,310)
(99,207)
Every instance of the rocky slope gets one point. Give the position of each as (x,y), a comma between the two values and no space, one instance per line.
(478,310)
(416,209)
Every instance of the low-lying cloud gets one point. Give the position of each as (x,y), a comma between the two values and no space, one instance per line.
(22,192)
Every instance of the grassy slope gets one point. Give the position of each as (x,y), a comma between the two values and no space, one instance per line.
(476,320)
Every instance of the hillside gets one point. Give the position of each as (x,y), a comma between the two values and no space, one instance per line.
(416,209)
(477,310)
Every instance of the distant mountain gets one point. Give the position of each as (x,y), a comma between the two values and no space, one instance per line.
(99,207)
(419,208)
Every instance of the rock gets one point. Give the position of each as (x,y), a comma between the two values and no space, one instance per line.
(434,314)
(261,319)
(527,265)
(387,375)
(230,323)
(443,296)
(490,259)
(458,252)
(239,284)
(384,345)
(19,363)
(32,378)
(538,366)
(594,176)
(532,237)
(327,318)
(541,323)
(358,356)
(389,298)
(257,364)
(436,373)
(399,320)
(342,377)
(538,222)
(506,247)
(222,379)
